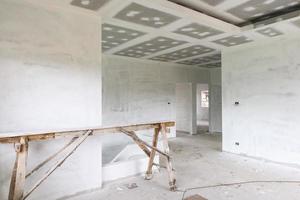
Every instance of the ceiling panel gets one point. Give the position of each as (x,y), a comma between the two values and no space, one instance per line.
(184,53)
(113,36)
(233,41)
(150,47)
(213,2)
(202,60)
(89,4)
(257,8)
(145,16)
(198,31)
(270,32)
(297,23)
(212,65)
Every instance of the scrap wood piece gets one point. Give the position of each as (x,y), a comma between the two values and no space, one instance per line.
(17,182)
(75,145)
(195,197)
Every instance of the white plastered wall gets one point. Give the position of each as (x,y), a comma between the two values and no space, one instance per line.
(264,79)
(50,78)
(215,101)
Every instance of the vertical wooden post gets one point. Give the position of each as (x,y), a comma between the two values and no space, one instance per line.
(148,175)
(17,182)
(166,148)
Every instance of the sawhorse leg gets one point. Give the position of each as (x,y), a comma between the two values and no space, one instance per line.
(148,175)
(171,174)
(17,182)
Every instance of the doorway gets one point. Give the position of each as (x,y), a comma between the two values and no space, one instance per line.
(202,108)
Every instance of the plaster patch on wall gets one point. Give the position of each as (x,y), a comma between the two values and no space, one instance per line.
(198,31)
(138,14)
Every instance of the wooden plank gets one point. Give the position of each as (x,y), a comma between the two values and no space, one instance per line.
(76,133)
(72,149)
(148,175)
(17,182)
(171,174)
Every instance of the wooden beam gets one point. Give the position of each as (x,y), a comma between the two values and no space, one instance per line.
(17,182)
(148,175)
(76,133)
(172,180)
(75,145)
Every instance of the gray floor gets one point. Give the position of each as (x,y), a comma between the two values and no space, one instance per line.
(199,161)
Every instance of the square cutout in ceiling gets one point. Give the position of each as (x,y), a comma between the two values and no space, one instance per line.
(202,60)
(257,8)
(142,15)
(297,23)
(213,2)
(198,31)
(212,65)
(113,36)
(89,4)
(195,61)
(184,53)
(233,41)
(150,47)
(269,32)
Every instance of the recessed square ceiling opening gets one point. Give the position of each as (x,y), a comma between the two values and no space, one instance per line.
(89,4)
(213,2)
(184,53)
(269,32)
(138,14)
(150,47)
(233,41)
(197,31)
(201,60)
(256,8)
(113,36)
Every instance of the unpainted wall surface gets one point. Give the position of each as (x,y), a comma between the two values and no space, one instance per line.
(50,73)
(264,79)
(137,91)
(215,101)
(50,78)
(183,107)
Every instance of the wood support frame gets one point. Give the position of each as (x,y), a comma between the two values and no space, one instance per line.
(17,182)
(19,176)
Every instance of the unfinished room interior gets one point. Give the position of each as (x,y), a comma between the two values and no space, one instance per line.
(149,99)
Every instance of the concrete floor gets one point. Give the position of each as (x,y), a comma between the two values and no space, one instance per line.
(198,161)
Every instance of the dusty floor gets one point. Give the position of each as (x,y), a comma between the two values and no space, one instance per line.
(198,161)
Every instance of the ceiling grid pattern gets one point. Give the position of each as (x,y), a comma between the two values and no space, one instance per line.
(160,30)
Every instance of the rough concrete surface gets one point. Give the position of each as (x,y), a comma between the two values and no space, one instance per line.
(199,161)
